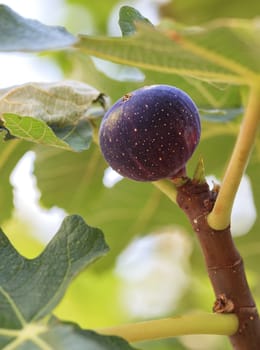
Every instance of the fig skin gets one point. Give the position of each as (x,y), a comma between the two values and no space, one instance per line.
(150,133)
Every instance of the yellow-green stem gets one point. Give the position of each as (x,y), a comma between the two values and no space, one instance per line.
(219,218)
(194,323)
(95,131)
(168,188)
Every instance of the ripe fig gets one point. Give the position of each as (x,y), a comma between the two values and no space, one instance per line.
(150,133)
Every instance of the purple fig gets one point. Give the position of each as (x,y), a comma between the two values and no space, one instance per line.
(150,133)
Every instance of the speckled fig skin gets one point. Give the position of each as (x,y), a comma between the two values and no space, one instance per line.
(150,133)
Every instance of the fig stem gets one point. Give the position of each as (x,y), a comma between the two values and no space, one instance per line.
(193,323)
(95,131)
(168,188)
(219,218)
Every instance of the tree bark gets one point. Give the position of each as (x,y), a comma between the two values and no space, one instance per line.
(224,265)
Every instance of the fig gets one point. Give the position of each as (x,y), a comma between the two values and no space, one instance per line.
(150,133)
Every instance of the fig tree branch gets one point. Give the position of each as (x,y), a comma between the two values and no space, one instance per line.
(224,265)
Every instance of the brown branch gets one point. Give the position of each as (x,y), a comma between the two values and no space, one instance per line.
(224,264)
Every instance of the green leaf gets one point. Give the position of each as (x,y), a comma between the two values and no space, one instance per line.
(62,336)
(30,289)
(55,335)
(206,53)
(31,129)
(22,34)
(56,114)
(62,103)
(78,137)
(225,40)
(151,49)
(128,16)
(206,95)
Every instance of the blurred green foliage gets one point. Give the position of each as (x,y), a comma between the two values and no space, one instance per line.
(199,11)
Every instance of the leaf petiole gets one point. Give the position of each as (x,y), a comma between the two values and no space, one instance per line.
(219,218)
(194,323)
(168,188)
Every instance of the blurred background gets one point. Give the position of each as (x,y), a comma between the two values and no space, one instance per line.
(154,268)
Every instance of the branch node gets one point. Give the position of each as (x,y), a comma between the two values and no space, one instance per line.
(223,304)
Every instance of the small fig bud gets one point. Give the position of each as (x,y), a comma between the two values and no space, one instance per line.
(150,133)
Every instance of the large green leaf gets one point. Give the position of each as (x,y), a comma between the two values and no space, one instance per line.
(22,34)
(215,98)
(151,49)
(219,100)
(207,53)
(31,288)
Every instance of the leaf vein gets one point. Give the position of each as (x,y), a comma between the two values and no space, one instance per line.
(13,306)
